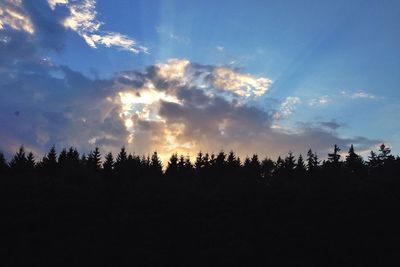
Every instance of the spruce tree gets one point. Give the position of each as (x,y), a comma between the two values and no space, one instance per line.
(353,161)
(333,158)
(49,162)
(3,163)
(30,162)
(300,165)
(108,163)
(18,162)
(94,159)
(155,164)
(172,167)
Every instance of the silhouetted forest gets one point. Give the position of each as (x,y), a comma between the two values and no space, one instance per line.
(68,209)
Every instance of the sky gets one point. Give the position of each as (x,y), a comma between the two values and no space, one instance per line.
(181,76)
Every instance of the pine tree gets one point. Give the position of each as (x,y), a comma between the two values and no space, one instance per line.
(231,160)
(300,165)
(312,161)
(18,162)
(199,164)
(62,158)
(289,162)
(353,161)
(181,164)
(30,162)
(108,163)
(255,165)
(267,168)
(384,153)
(172,167)
(188,164)
(73,157)
(3,163)
(220,160)
(122,156)
(49,162)
(206,161)
(155,164)
(121,160)
(84,160)
(94,159)
(334,157)
(247,163)
(279,164)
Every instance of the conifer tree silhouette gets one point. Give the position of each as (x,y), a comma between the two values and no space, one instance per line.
(62,158)
(49,162)
(3,164)
(199,163)
(384,154)
(300,166)
(19,162)
(108,164)
(333,158)
(30,162)
(121,161)
(289,162)
(155,164)
(267,168)
(94,160)
(353,161)
(172,167)
(312,161)
(255,166)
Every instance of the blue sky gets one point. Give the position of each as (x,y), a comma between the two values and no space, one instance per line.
(312,73)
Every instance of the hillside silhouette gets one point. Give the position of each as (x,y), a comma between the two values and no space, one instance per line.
(70,209)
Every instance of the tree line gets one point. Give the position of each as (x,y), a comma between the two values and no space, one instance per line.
(69,209)
(134,165)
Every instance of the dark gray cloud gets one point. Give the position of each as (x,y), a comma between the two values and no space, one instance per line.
(333,125)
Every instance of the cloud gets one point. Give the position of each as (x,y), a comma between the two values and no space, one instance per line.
(287,107)
(241,84)
(82,19)
(358,95)
(175,106)
(333,125)
(178,106)
(13,15)
(319,101)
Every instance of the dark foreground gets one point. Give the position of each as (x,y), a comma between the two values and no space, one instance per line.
(216,216)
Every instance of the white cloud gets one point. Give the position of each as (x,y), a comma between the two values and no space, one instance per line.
(14,16)
(358,95)
(319,101)
(54,3)
(241,84)
(174,69)
(287,107)
(82,19)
